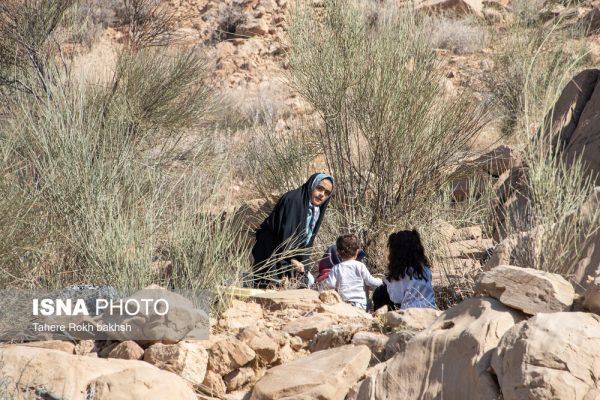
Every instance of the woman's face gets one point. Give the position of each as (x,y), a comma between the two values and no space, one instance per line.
(321,192)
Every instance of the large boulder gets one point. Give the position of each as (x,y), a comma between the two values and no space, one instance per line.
(72,377)
(550,356)
(450,359)
(584,140)
(526,289)
(327,374)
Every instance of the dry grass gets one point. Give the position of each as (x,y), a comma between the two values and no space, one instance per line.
(461,36)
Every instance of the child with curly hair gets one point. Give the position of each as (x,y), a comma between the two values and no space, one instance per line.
(350,276)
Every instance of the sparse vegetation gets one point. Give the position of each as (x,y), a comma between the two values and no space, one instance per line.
(85,201)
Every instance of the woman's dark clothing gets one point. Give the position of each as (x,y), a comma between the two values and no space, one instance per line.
(285,230)
(381,298)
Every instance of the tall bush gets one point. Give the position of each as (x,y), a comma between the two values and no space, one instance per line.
(388,133)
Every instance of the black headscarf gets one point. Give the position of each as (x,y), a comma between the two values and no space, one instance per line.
(285,228)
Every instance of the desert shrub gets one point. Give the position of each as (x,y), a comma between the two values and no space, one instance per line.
(86,201)
(551,223)
(242,107)
(387,133)
(278,162)
(526,12)
(529,63)
(26,48)
(461,36)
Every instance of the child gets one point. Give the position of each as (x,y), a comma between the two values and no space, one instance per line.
(408,282)
(329,259)
(350,276)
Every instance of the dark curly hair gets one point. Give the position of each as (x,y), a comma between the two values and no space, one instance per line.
(406,256)
(347,246)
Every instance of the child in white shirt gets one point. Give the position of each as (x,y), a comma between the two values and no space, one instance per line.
(350,276)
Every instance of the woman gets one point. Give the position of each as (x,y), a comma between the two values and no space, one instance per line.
(284,239)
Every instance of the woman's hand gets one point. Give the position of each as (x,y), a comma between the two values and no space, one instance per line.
(298,266)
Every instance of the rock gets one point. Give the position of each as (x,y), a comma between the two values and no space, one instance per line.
(334,336)
(188,360)
(474,249)
(301,299)
(513,207)
(411,318)
(526,289)
(572,122)
(61,345)
(77,377)
(587,268)
(344,311)
(592,297)
(591,21)
(327,374)
(296,343)
(238,378)
(85,347)
(287,355)
(106,348)
(550,356)
(213,384)
(397,343)
(467,181)
(444,229)
(451,358)
(128,350)
(330,297)
(252,27)
(520,249)
(238,395)
(241,314)
(229,354)
(374,341)
(263,345)
(468,233)
(308,327)
(269,5)
(365,388)
(499,160)
(457,7)
(183,320)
